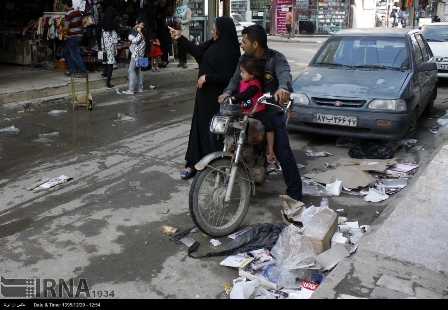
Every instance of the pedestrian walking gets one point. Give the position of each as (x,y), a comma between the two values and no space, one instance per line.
(107,40)
(288,22)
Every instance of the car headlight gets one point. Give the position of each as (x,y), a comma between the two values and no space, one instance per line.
(387,104)
(300,98)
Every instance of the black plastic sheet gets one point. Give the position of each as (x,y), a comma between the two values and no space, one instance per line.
(371,149)
(261,236)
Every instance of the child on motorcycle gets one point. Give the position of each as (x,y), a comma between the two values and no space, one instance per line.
(248,93)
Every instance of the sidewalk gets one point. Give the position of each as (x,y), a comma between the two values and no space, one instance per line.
(41,83)
(405,253)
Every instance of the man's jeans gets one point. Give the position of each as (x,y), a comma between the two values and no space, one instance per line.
(135,71)
(72,55)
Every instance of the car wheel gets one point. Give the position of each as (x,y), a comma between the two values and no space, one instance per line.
(430,107)
(412,129)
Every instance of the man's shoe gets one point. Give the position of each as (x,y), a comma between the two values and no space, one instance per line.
(67,73)
(139,90)
(185,66)
(128,92)
(180,64)
(103,75)
(110,86)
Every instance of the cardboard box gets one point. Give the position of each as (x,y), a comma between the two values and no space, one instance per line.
(402,169)
(321,228)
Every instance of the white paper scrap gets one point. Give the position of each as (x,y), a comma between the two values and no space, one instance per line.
(55,181)
(215,242)
(375,196)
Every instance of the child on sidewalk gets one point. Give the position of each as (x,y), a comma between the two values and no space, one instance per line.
(155,52)
(248,93)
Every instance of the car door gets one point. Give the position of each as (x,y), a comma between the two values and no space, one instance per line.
(427,77)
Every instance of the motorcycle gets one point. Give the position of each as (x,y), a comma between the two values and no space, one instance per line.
(220,192)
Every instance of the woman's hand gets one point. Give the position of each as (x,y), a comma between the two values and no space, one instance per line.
(201,81)
(175,34)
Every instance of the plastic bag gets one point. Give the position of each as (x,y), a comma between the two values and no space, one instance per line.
(258,237)
(371,149)
(293,250)
(312,188)
(308,214)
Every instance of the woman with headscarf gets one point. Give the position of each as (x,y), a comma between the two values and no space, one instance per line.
(182,14)
(163,11)
(217,59)
(107,40)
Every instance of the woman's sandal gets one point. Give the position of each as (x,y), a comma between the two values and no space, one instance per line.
(185,175)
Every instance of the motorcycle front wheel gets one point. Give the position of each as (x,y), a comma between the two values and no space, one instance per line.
(211,214)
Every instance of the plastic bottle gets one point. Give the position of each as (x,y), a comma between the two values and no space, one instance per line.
(280,276)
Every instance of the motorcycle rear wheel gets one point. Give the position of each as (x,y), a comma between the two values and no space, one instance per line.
(206,199)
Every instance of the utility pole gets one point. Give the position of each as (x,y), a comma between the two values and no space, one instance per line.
(225,7)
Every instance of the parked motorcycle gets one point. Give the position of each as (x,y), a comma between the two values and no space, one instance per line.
(220,192)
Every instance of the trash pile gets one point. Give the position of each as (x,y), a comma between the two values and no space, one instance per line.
(354,177)
(282,261)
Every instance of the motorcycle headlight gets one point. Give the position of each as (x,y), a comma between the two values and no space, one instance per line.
(300,98)
(388,104)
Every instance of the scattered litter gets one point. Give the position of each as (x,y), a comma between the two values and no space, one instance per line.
(121,117)
(394,183)
(335,187)
(365,228)
(338,237)
(51,134)
(310,153)
(151,87)
(416,148)
(118,91)
(371,149)
(245,290)
(42,140)
(339,210)
(167,230)
(148,195)
(262,258)
(57,112)
(375,195)
(319,42)
(54,181)
(443,120)
(236,261)
(307,289)
(329,258)
(215,242)
(36,184)
(227,288)
(9,129)
(312,188)
(178,237)
(402,169)
(434,129)
(187,241)
(300,166)
(407,142)
(239,232)
(165,211)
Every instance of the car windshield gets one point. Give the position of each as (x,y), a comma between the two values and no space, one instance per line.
(364,52)
(436,33)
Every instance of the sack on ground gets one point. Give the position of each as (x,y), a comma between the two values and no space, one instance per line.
(102,56)
(143,62)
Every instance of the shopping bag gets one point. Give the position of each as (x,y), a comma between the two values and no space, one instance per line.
(102,56)
(143,62)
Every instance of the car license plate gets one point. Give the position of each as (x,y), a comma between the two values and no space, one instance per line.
(442,67)
(351,121)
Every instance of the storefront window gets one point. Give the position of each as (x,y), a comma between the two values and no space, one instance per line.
(321,16)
